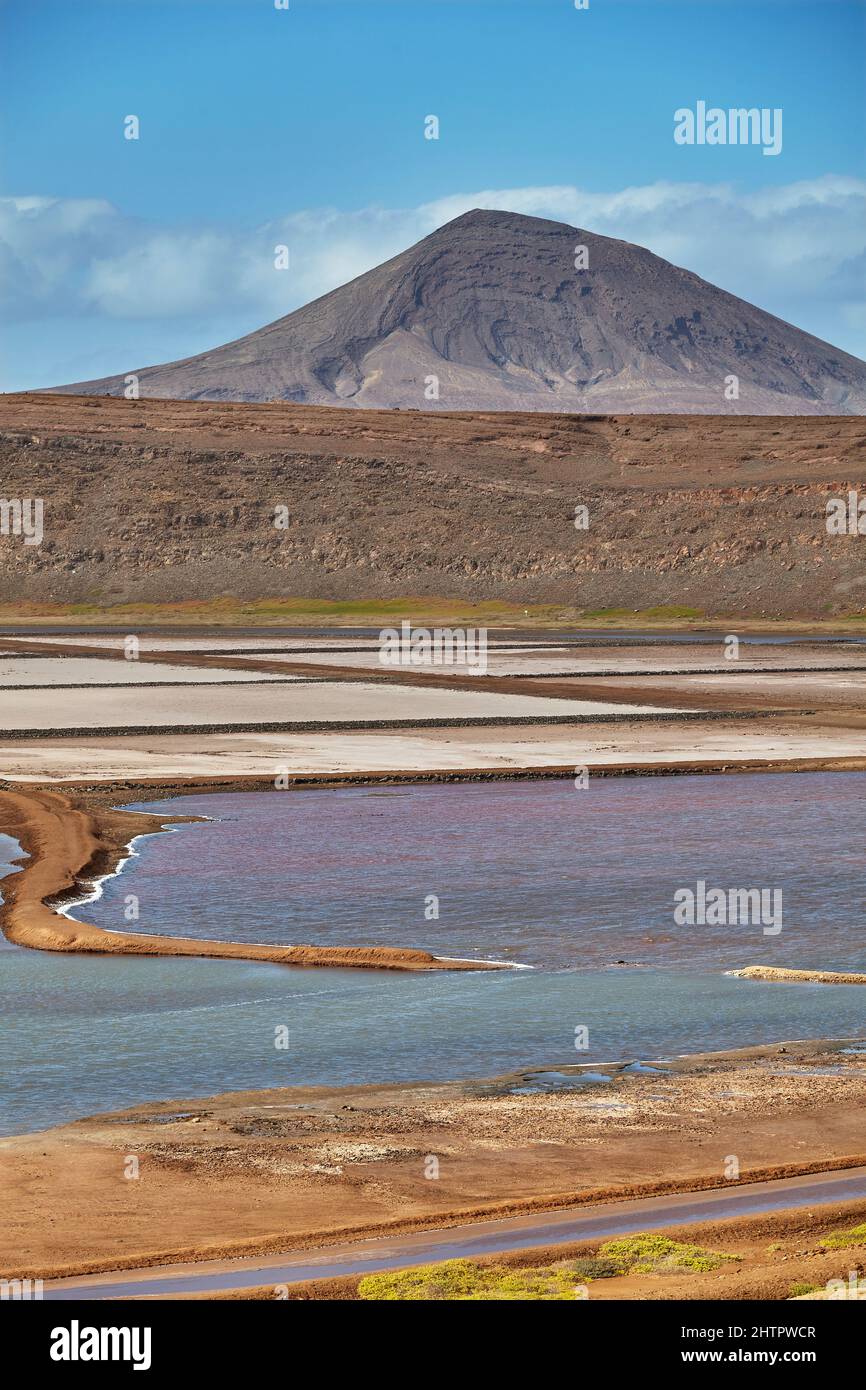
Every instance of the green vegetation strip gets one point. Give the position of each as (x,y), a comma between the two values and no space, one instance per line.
(565,1280)
(423,609)
(842,1239)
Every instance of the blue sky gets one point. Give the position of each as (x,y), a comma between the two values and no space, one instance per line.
(306,126)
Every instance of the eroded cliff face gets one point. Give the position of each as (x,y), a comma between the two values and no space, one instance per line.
(158,501)
(498,311)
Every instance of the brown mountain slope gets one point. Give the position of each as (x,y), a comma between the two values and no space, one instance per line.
(169,500)
(493,307)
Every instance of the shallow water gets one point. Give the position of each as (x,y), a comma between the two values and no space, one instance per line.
(79,1035)
(537,873)
(10,850)
(528,871)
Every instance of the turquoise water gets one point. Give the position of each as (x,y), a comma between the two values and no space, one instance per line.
(523,871)
(10,850)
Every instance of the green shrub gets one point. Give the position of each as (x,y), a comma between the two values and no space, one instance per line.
(798,1290)
(593,1267)
(649,1254)
(466,1281)
(856,1236)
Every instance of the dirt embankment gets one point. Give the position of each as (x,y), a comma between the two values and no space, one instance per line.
(70,845)
(162,501)
(290,1169)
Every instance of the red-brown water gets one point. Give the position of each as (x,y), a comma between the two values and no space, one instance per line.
(539,873)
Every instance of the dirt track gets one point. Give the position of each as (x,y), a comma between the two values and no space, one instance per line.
(484,1238)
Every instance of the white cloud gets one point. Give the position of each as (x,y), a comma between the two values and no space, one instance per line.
(797,250)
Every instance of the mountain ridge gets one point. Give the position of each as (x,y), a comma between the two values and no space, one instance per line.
(492,312)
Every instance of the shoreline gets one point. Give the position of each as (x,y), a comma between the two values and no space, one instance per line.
(70,843)
(99,791)
(511,1154)
(74,842)
(90,889)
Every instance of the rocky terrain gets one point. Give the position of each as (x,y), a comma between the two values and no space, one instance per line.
(498,311)
(164,500)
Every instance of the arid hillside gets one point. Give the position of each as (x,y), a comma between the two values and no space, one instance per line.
(167,500)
